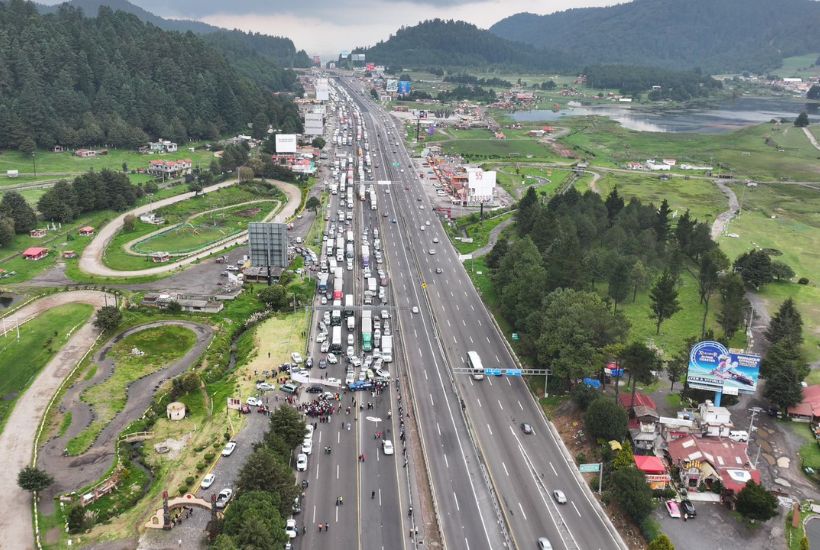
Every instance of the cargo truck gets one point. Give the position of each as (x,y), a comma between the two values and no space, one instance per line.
(387,348)
(367,330)
(349,305)
(336,339)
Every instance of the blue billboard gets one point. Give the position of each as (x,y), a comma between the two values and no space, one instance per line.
(404,87)
(713,367)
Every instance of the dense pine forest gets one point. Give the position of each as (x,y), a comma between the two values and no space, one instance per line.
(113,80)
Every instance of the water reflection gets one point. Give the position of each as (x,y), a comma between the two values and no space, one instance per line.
(728,116)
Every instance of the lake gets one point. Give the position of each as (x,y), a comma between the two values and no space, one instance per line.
(727,116)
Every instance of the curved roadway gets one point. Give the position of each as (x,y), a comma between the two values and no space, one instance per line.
(17,439)
(91,261)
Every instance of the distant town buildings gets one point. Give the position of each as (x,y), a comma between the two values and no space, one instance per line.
(169,168)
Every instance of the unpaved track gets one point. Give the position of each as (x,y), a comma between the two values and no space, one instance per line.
(17,439)
(91,261)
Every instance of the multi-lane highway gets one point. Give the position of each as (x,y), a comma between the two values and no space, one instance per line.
(471,454)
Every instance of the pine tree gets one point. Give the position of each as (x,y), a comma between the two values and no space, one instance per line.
(733,303)
(663,299)
(786,324)
(662,223)
(14,206)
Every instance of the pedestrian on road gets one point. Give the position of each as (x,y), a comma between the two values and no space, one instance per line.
(304,529)
(326,526)
(320,527)
(372,495)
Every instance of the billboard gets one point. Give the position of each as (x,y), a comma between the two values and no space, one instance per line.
(268,243)
(404,87)
(713,367)
(392,85)
(314,124)
(481,184)
(357,57)
(285,143)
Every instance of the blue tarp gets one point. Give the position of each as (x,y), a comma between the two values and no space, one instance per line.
(592,383)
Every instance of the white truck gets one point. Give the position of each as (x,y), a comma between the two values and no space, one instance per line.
(387,348)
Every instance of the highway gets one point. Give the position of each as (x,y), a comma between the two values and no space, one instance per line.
(373,492)
(523,469)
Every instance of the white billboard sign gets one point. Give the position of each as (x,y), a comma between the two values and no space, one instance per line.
(481,184)
(285,143)
(322,89)
(392,85)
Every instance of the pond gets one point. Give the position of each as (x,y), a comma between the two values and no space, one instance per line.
(727,116)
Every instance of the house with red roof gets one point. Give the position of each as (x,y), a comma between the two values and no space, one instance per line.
(86,231)
(807,410)
(641,400)
(35,253)
(707,460)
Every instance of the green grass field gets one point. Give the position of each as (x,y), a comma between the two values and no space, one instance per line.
(208,228)
(766,152)
(161,347)
(115,256)
(479,231)
(54,166)
(701,197)
(795,232)
(799,66)
(40,339)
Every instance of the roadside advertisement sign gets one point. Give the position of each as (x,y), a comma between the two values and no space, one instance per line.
(404,87)
(714,367)
(392,85)
(285,143)
(234,403)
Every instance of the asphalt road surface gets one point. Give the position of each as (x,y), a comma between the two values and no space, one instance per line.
(524,469)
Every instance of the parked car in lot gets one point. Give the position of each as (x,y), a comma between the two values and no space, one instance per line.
(229,448)
(307,446)
(290,528)
(688,508)
(223,497)
(264,386)
(673,509)
(207,481)
(254,402)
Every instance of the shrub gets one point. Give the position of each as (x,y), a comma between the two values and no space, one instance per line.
(581,457)
(182,489)
(209,456)
(190,480)
(582,395)
(605,419)
(803,281)
(650,529)
(200,466)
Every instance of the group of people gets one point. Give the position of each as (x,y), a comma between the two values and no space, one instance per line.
(180,514)
(321,408)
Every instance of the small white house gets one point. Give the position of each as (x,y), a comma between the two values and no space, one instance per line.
(12,173)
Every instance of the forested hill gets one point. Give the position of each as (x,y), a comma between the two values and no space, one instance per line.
(114,80)
(715,35)
(460,44)
(235,44)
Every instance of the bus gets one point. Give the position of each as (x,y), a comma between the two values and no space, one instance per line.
(474,362)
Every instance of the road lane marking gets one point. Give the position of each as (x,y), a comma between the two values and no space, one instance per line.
(425,374)
(505,469)
(439,429)
(576,510)
(462,358)
(463,322)
(520,406)
(337,471)
(522,511)
(380,496)
(448,323)
(451,294)
(508,381)
(458,308)
(489,429)
(314,514)
(446,462)
(465,294)
(471,307)
(420,352)
(500,406)
(454,339)
(416,333)
(431,400)
(479,403)
(554,471)
(471,340)
(455,496)
(479,322)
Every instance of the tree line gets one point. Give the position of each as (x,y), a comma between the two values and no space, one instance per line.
(633,80)
(547,277)
(77,81)
(90,192)
(464,78)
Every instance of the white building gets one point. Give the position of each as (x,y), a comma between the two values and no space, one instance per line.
(162,146)
(314,124)
(322,89)
(714,421)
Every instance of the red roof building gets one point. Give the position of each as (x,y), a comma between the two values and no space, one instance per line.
(86,231)
(35,253)
(705,460)
(809,408)
(641,400)
(654,471)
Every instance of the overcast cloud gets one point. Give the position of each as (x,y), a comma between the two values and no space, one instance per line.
(326,27)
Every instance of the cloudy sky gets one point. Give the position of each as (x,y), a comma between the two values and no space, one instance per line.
(326,27)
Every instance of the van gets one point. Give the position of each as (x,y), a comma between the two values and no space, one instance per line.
(289,387)
(739,436)
(351,323)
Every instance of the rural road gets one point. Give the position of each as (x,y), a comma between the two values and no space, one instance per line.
(17,439)
(811,138)
(91,261)
(723,219)
(493,238)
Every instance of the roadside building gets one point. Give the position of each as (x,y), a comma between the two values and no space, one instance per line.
(641,399)
(653,470)
(35,253)
(85,153)
(192,303)
(808,410)
(160,257)
(169,168)
(714,421)
(38,233)
(86,231)
(162,146)
(69,254)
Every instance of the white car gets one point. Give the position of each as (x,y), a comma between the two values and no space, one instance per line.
(321,337)
(296,357)
(331,359)
(350,340)
(427,223)
(308,432)
(385,315)
(387,447)
(422,228)
(355,361)
(333,381)
(254,402)
(415,309)
(229,448)
(290,528)
(350,352)
(559,496)
(323,300)
(307,446)
(739,436)
(207,481)
(435,240)
(301,462)
(265,386)
(382,373)
(223,497)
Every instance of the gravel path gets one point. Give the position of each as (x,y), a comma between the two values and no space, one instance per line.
(17,439)
(811,138)
(723,219)
(91,261)
(493,238)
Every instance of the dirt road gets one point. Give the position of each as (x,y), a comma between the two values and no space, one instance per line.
(17,439)
(91,261)
(811,138)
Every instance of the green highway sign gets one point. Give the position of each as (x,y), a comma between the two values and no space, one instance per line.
(515,337)
(396,164)
(590,468)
